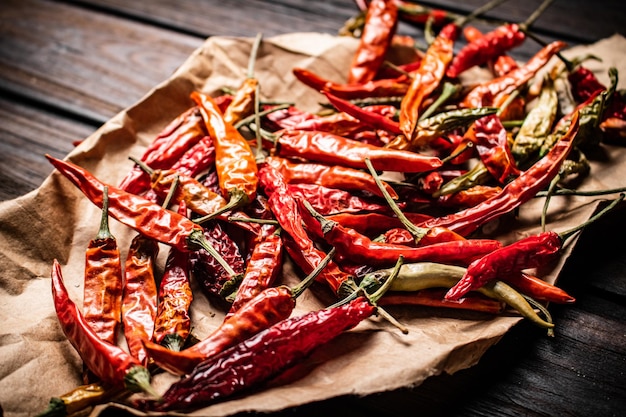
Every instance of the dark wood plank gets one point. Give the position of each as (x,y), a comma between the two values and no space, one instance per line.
(86,63)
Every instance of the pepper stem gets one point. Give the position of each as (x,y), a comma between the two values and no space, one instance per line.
(137,379)
(145,168)
(417,232)
(197,238)
(382,290)
(568,233)
(104,232)
(306,282)
(237,198)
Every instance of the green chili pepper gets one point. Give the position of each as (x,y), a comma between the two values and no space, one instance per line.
(477,175)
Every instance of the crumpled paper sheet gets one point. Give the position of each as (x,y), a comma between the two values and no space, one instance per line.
(56,221)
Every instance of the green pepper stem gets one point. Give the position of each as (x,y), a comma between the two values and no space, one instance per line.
(306,282)
(417,232)
(142,165)
(237,199)
(568,233)
(252,220)
(197,238)
(137,379)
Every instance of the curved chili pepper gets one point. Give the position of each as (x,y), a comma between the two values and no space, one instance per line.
(140,214)
(501,64)
(433,297)
(490,93)
(139,301)
(469,197)
(515,193)
(285,208)
(387,87)
(330,176)
(235,162)
(537,288)
(492,146)
(375,120)
(331,200)
(426,79)
(360,249)
(381,21)
(198,158)
(173,323)
(278,347)
(182,133)
(102,295)
(108,362)
(79,399)
(336,150)
(266,308)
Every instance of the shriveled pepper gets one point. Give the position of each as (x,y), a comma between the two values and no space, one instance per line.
(278,347)
(499,65)
(515,193)
(381,21)
(492,146)
(234,159)
(375,120)
(331,176)
(102,294)
(268,307)
(141,214)
(336,150)
(110,363)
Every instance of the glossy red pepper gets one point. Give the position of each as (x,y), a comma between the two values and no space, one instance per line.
(280,346)
(501,64)
(198,158)
(537,288)
(375,120)
(381,21)
(434,297)
(492,146)
(336,150)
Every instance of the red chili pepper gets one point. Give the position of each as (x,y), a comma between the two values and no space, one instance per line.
(426,79)
(235,162)
(140,214)
(469,197)
(277,348)
(500,65)
(330,176)
(332,201)
(341,124)
(381,21)
(434,297)
(336,150)
(198,158)
(108,362)
(139,301)
(420,14)
(372,224)
(173,323)
(216,281)
(492,146)
(262,268)
(182,133)
(401,236)
(372,119)
(537,288)
(306,255)
(490,93)
(388,87)
(515,193)
(102,295)
(360,249)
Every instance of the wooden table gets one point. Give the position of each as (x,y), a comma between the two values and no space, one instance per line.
(66,67)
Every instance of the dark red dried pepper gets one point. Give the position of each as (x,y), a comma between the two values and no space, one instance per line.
(278,347)
(492,146)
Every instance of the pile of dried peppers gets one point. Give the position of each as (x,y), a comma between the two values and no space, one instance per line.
(379,199)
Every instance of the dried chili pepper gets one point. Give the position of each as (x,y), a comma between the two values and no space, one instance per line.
(331,200)
(336,150)
(182,133)
(420,14)
(372,119)
(234,159)
(388,87)
(492,146)
(491,93)
(381,21)
(278,347)
(216,281)
(330,176)
(102,295)
(500,65)
(139,301)
(268,307)
(141,214)
(373,223)
(361,249)
(515,193)
(108,362)
(537,288)
(79,399)
(285,208)
(530,252)
(198,198)
(433,297)
(199,157)
(173,323)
